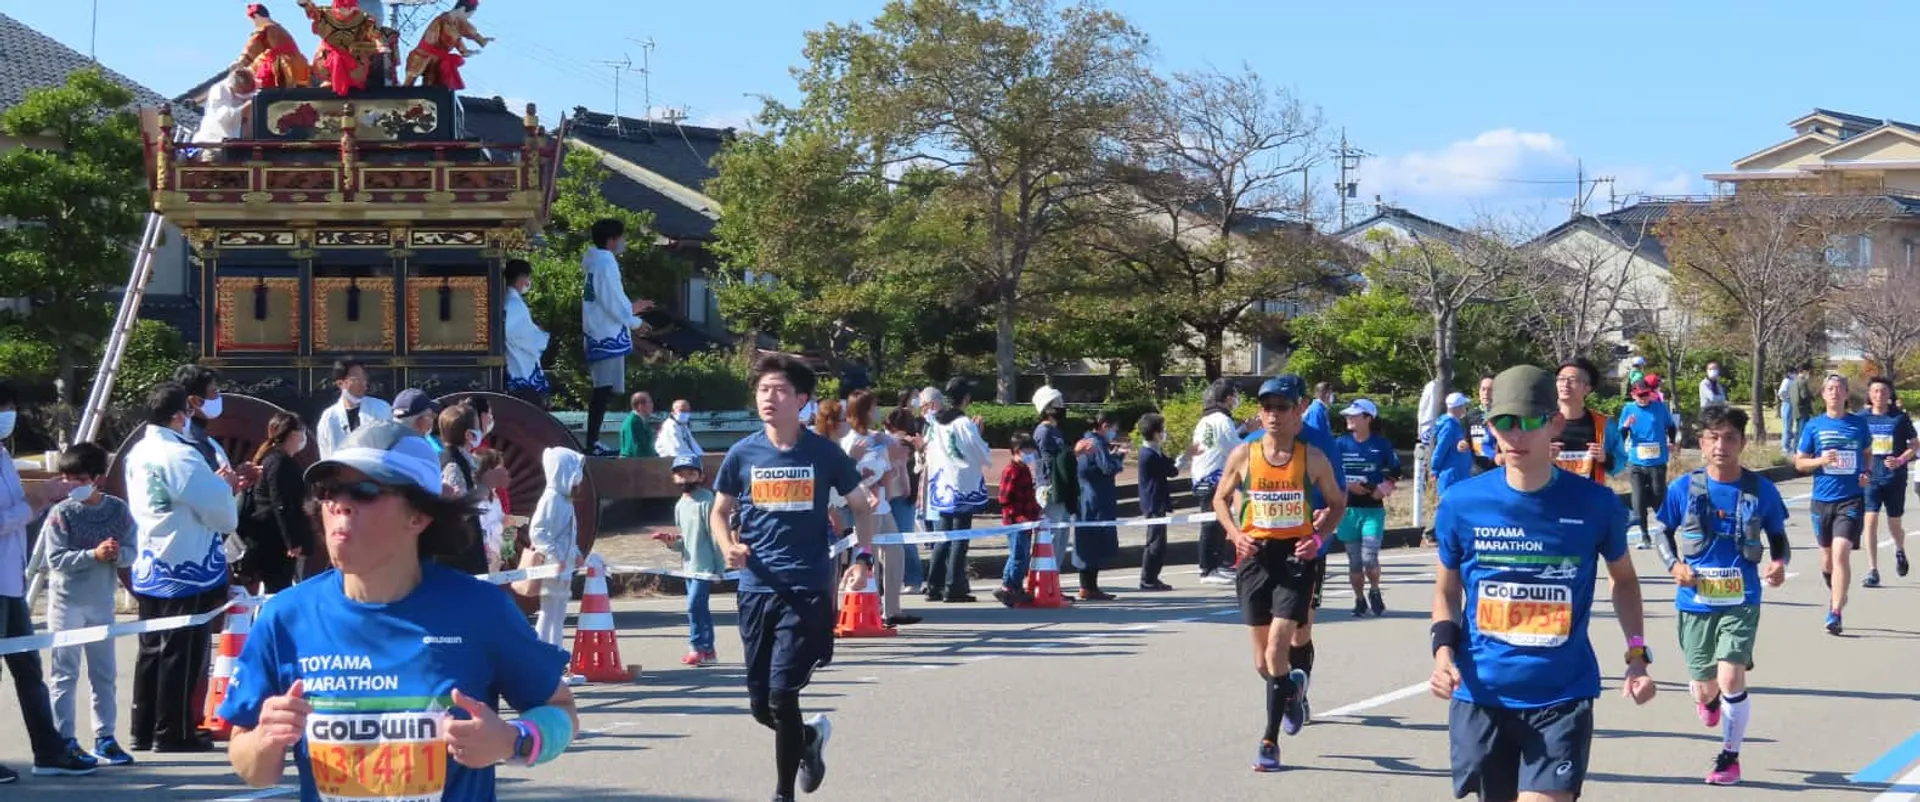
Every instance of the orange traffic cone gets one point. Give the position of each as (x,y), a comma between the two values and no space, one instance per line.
(596,646)
(1043,577)
(232,638)
(860,611)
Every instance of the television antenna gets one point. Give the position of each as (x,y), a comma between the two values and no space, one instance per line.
(409,17)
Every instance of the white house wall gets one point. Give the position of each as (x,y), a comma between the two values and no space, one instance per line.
(1646,279)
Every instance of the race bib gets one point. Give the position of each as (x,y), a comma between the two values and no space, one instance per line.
(390,757)
(1525,614)
(788,489)
(1646,451)
(1277,509)
(1719,587)
(1575,461)
(1846,463)
(1882,445)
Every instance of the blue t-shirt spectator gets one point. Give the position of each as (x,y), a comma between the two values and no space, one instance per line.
(1724,526)
(1647,428)
(1451,465)
(381,678)
(1527,563)
(783,499)
(1316,418)
(1848,436)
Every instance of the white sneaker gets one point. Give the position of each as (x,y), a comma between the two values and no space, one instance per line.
(574,680)
(1217,578)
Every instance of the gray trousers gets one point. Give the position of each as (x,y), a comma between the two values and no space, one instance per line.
(65,612)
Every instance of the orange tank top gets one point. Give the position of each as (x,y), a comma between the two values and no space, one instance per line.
(1578,461)
(1277,507)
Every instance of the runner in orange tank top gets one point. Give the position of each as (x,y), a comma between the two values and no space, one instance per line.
(1589,443)
(1279,541)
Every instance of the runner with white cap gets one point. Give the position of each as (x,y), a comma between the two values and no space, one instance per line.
(1372,467)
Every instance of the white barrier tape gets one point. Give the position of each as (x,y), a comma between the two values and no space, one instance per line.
(901,538)
(96,634)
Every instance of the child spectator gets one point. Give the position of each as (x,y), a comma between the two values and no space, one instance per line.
(1018,505)
(553,536)
(699,555)
(1156,499)
(89,538)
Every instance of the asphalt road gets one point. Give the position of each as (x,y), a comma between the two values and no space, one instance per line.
(1154,697)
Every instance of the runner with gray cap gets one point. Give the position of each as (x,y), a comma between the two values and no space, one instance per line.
(1512,597)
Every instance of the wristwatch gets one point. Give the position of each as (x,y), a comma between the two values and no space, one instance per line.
(522,743)
(1637,648)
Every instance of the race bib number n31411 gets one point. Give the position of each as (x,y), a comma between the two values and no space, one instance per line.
(1525,614)
(389,757)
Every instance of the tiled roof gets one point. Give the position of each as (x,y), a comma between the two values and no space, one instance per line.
(682,154)
(32,60)
(1421,226)
(1850,118)
(1631,226)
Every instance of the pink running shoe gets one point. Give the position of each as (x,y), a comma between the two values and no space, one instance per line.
(709,659)
(1726,769)
(692,659)
(1709,714)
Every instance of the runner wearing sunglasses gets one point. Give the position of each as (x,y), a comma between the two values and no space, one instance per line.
(382,676)
(1279,539)
(1519,550)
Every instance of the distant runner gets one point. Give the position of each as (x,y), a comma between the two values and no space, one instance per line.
(1834,447)
(1894,443)
(1519,549)
(1587,444)
(1648,428)
(1721,515)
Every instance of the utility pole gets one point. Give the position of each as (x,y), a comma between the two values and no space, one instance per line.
(1581,192)
(1349,158)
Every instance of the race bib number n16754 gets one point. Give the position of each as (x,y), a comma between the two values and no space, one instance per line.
(1525,614)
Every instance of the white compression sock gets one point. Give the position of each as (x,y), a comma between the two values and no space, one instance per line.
(1734,723)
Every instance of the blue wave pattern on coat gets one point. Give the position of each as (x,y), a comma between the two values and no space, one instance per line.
(536,381)
(153,577)
(614,347)
(950,499)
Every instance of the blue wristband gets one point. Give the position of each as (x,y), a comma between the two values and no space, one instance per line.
(556,731)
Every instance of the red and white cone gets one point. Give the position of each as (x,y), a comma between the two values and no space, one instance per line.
(596,646)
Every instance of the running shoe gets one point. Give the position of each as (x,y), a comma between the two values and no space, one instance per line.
(1833,623)
(1005,596)
(1096,595)
(1709,712)
(1269,757)
(73,762)
(1900,562)
(1295,716)
(692,658)
(902,620)
(1726,769)
(1378,604)
(109,752)
(1359,608)
(1217,578)
(573,680)
(8,775)
(1156,586)
(1873,578)
(813,765)
(1644,544)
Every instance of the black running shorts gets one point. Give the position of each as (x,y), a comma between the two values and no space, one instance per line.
(1499,752)
(1841,519)
(785,635)
(1272,583)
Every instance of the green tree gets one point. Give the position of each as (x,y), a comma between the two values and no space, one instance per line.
(1373,342)
(74,192)
(1445,280)
(1018,102)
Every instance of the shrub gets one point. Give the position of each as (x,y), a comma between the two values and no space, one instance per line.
(711,381)
(998,422)
(154,351)
(27,363)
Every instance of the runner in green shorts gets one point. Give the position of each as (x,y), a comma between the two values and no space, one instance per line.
(1715,522)
(1372,467)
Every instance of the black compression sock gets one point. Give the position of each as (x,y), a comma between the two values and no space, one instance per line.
(1301,657)
(1279,690)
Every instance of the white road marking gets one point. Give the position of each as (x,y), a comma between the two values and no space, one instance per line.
(264,793)
(1368,704)
(1904,789)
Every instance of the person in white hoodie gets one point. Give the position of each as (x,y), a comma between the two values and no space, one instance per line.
(525,340)
(180,506)
(676,434)
(554,534)
(227,105)
(609,320)
(957,459)
(354,409)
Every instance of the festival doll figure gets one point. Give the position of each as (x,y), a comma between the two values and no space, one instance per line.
(349,41)
(271,55)
(443,50)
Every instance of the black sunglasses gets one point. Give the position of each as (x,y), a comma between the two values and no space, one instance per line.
(363,492)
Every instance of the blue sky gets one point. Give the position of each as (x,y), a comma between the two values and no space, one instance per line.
(1465,112)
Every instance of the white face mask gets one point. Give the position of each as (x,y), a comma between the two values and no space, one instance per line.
(1029,457)
(1713,374)
(7,420)
(81,494)
(212,407)
(487,430)
(619,247)
(298,443)
(473,440)
(351,399)
(683,417)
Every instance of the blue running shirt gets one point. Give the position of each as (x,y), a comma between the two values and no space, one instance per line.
(1646,429)
(783,508)
(381,678)
(1527,562)
(1723,578)
(1848,435)
(1891,434)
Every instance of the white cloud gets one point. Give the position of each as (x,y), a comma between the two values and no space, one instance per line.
(1505,170)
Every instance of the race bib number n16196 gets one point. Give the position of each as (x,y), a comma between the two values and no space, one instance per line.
(389,757)
(1277,509)
(1525,614)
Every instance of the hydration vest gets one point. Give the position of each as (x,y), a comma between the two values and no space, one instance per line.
(1694,540)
